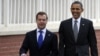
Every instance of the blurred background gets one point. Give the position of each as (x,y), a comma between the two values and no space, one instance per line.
(18,17)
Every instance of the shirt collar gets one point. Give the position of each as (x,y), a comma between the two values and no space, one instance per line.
(78,20)
(44,30)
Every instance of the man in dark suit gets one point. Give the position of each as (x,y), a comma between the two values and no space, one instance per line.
(40,42)
(77,34)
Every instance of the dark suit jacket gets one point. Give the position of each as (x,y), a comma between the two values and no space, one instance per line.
(49,47)
(86,38)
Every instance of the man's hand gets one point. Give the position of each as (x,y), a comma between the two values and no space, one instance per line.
(23,54)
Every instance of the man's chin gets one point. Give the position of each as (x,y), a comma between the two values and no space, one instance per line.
(75,17)
(41,27)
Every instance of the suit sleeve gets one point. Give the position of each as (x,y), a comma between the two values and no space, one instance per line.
(54,45)
(92,40)
(24,47)
(61,43)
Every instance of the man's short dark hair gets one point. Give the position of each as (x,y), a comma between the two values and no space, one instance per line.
(77,2)
(41,13)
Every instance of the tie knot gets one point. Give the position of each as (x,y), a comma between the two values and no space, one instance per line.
(40,31)
(75,21)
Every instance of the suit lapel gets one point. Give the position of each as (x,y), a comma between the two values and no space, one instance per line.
(46,39)
(71,28)
(82,24)
(35,36)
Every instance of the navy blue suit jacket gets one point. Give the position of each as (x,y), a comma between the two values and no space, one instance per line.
(86,38)
(49,47)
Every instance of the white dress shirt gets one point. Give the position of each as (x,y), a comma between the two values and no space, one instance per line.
(44,33)
(78,22)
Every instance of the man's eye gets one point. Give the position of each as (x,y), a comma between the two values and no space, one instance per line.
(77,9)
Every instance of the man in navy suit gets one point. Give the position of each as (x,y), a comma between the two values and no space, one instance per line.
(77,34)
(40,42)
